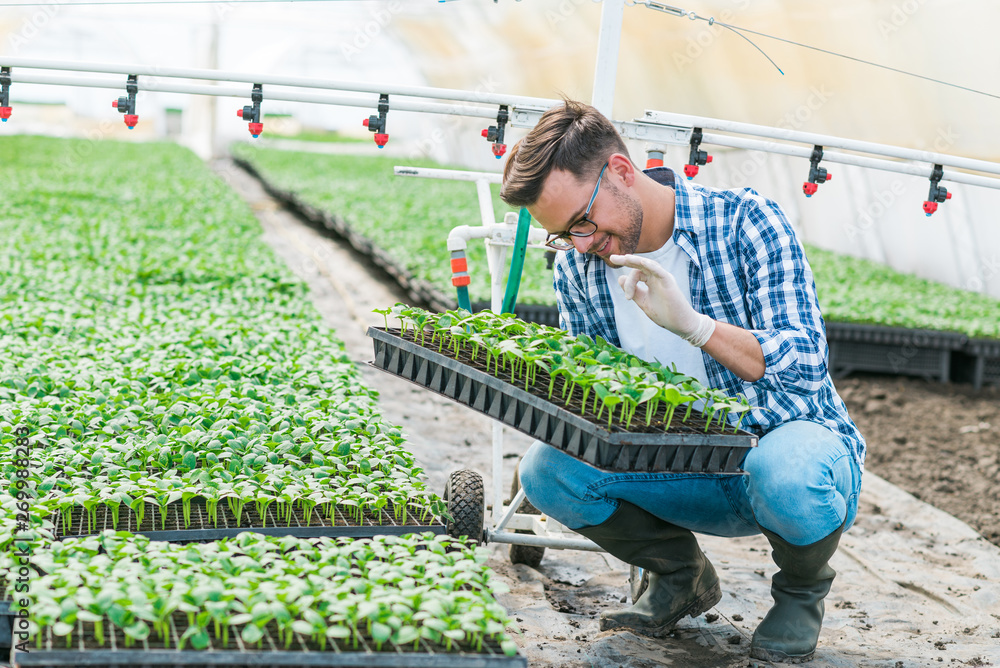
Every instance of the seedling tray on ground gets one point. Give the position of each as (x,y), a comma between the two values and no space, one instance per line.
(891,350)
(686,448)
(7,618)
(203,528)
(986,362)
(303,652)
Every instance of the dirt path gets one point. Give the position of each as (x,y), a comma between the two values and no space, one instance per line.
(916,588)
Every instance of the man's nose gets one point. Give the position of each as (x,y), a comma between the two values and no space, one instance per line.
(582,244)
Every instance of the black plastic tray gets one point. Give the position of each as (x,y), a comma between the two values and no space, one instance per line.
(552,424)
(891,350)
(195,659)
(6,625)
(202,528)
(986,365)
(302,653)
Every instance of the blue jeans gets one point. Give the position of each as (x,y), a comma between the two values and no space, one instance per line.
(802,483)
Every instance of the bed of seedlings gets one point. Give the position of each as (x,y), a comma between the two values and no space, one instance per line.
(411,227)
(590,377)
(160,368)
(119,591)
(168,357)
(861,291)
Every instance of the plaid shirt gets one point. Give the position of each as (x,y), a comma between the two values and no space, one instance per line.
(748,269)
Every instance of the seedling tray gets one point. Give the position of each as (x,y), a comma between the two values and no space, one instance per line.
(687,448)
(6,623)
(891,350)
(202,528)
(986,369)
(304,652)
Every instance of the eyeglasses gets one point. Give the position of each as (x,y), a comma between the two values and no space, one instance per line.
(584,227)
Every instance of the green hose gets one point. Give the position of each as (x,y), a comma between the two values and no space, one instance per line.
(517,261)
(463,298)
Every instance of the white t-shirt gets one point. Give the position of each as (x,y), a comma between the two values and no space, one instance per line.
(644,338)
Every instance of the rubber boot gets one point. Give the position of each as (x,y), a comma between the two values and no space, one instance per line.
(681,579)
(790,630)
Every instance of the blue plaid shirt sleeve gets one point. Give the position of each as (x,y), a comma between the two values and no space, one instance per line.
(570,295)
(781,300)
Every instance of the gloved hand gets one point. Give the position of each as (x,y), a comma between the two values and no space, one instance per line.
(655,290)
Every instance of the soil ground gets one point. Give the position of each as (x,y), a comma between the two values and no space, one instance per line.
(940,442)
(916,587)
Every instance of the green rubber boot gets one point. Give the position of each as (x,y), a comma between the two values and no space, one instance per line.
(681,579)
(790,630)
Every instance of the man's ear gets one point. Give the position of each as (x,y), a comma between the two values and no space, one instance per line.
(622,167)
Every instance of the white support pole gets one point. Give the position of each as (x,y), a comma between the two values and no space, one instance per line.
(606,68)
(213,63)
(485,203)
(515,503)
(554,542)
(497,471)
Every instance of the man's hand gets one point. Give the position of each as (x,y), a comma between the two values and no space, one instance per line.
(655,290)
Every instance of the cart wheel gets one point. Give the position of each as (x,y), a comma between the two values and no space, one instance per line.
(638,581)
(466,505)
(524,554)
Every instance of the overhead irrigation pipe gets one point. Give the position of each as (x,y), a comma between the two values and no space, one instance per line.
(826,141)
(297,82)
(245,92)
(922,170)
(656,127)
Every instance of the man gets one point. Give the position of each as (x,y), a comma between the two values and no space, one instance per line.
(716,282)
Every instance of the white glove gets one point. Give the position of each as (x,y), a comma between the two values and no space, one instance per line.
(655,291)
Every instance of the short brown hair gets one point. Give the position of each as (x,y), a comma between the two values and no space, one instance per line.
(574,137)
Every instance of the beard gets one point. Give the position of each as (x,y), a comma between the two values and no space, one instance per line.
(628,238)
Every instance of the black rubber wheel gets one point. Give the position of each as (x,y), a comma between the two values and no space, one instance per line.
(524,554)
(466,505)
(638,581)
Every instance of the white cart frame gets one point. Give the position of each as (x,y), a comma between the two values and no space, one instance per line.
(498,237)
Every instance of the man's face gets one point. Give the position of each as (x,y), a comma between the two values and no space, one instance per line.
(617,213)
